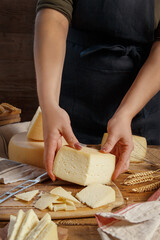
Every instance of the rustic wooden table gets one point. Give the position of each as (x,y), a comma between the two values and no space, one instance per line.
(86,228)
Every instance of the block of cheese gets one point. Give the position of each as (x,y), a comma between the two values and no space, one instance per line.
(27,196)
(39,228)
(11,225)
(49,233)
(35,130)
(96,195)
(140,147)
(29,222)
(44,201)
(59,191)
(84,166)
(22,150)
(17,225)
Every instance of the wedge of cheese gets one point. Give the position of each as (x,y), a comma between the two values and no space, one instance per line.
(29,222)
(35,130)
(140,147)
(11,225)
(27,196)
(96,195)
(49,233)
(19,219)
(84,166)
(45,201)
(59,191)
(23,150)
(39,228)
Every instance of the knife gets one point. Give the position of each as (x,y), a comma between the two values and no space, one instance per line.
(23,186)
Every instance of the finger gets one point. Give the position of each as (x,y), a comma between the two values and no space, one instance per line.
(110,143)
(70,138)
(59,144)
(122,164)
(49,154)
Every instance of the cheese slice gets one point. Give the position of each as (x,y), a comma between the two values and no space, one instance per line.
(70,208)
(70,203)
(59,207)
(17,225)
(35,130)
(11,225)
(59,191)
(27,196)
(49,233)
(96,195)
(39,228)
(29,222)
(45,201)
(51,207)
(84,166)
(140,147)
(22,150)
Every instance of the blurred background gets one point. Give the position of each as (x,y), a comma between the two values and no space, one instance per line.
(17,74)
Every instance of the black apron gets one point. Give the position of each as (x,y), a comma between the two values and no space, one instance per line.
(107,44)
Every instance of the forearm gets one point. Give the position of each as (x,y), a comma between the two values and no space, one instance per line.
(145,86)
(51,29)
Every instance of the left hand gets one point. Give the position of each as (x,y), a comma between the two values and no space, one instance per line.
(119,142)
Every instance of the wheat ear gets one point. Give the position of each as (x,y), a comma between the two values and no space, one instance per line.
(138,180)
(142,174)
(147,188)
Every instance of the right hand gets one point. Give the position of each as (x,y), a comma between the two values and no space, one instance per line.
(56,123)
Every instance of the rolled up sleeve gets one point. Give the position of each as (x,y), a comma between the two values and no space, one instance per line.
(63,6)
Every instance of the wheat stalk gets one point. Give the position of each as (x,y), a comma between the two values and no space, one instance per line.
(142,174)
(138,180)
(147,188)
(2,110)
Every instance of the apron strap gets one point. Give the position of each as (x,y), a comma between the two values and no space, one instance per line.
(133,51)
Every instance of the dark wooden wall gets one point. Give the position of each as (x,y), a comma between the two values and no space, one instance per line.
(17,74)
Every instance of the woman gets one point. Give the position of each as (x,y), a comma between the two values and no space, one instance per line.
(111,74)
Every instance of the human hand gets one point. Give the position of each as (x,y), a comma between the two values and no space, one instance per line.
(119,142)
(56,123)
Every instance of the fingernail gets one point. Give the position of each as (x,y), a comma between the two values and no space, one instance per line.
(103,149)
(77,146)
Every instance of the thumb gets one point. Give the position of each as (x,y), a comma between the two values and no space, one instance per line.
(110,143)
(70,137)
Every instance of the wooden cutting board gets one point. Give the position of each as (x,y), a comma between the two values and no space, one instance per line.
(11,206)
